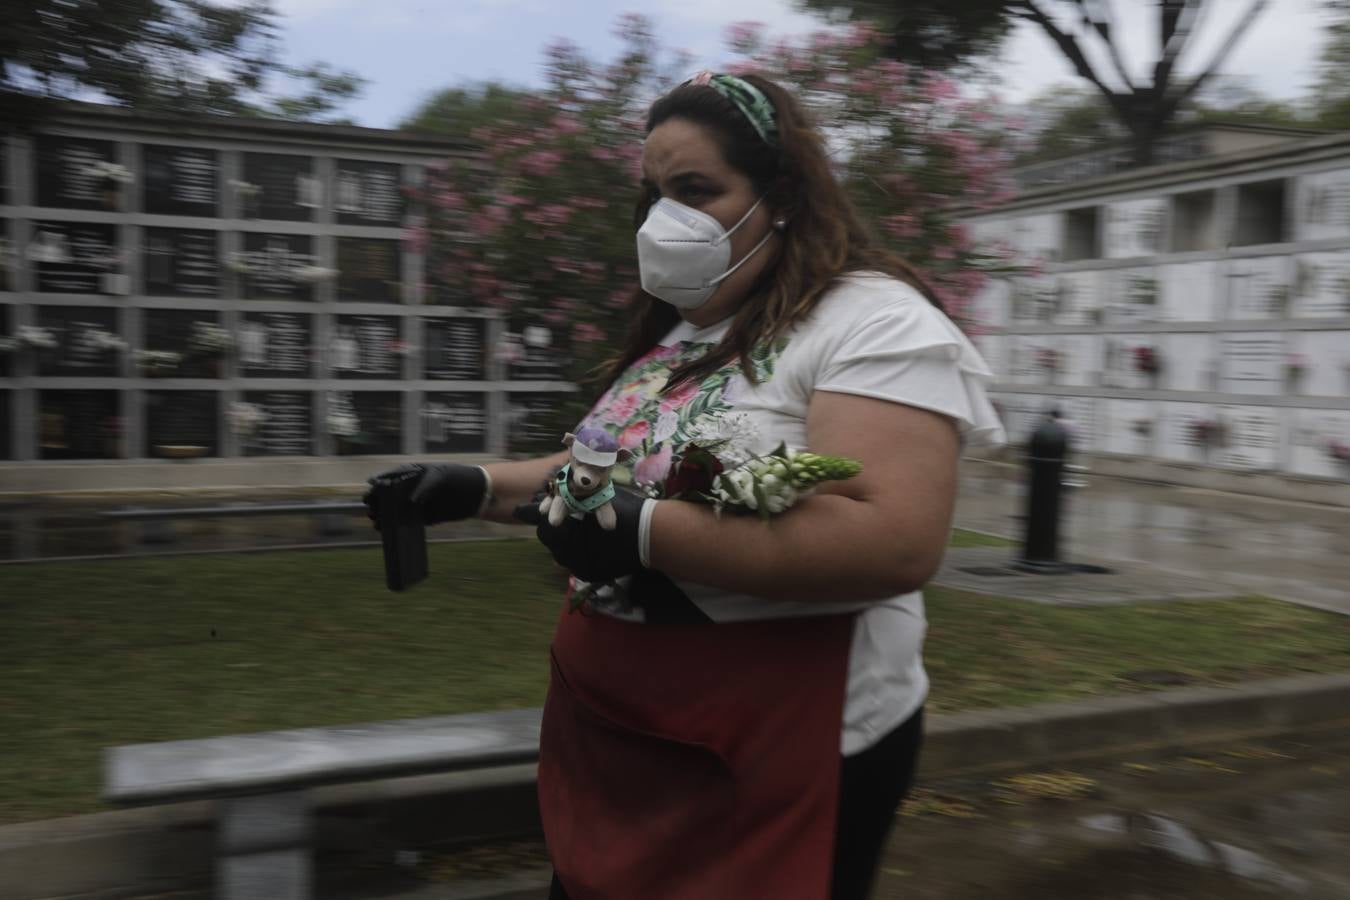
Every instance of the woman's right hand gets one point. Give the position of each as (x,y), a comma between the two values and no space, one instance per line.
(444,492)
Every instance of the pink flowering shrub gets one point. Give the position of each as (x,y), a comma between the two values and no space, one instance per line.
(540,225)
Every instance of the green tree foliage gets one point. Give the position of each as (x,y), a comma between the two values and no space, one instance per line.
(459,111)
(171,56)
(1146,109)
(1068,120)
(1331,94)
(932,34)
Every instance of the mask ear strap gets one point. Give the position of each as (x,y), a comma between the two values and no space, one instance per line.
(732,230)
(764,240)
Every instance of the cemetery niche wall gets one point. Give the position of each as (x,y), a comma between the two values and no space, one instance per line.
(241,289)
(1191,319)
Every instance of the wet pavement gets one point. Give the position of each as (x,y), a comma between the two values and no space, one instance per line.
(1266,820)
(1298,552)
(1262,820)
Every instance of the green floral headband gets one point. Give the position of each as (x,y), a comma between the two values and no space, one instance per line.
(749,99)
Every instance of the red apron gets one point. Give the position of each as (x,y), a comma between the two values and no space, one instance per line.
(694,762)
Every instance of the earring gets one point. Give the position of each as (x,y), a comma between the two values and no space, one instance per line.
(780,224)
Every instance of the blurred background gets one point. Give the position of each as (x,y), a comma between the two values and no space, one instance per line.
(252,252)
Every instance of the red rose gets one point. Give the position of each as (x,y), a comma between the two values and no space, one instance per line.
(694,473)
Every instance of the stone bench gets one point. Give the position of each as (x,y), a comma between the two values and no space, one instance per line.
(262,782)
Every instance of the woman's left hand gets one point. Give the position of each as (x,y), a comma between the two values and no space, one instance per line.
(584,548)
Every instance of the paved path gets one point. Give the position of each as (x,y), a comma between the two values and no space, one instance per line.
(986,570)
(1298,552)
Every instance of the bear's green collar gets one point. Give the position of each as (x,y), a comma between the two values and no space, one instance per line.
(584,504)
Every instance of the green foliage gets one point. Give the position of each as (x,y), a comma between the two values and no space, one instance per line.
(1331,93)
(931,34)
(171,56)
(459,111)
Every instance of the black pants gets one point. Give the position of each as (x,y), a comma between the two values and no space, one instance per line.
(871,786)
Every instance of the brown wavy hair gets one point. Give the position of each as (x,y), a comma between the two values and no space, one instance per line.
(824,238)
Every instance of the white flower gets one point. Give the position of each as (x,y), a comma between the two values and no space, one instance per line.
(313,274)
(208,337)
(244,188)
(37,336)
(244,418)
(242,262)
(103,340)
(109,170)
(156,361)
(342,424)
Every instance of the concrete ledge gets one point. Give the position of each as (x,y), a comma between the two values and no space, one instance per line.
(163,847)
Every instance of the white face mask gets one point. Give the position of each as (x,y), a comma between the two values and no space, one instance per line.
(683,253)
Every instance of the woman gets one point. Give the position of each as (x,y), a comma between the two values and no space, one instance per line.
(740,713)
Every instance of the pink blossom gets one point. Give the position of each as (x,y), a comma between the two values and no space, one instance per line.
(621,408)
(566,123)
(586,333)
(635,434)
(653,468)
(415,238)
(862,34)
(447,200)
(541,163)
(680,396)
(902,226)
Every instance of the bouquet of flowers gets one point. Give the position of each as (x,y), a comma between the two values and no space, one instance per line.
(109,171)
(244,417)
(764,485)
(103,340)
(36,336)
(155,363)
(1146,359)
(208,337)
(343,424)
(1047,358)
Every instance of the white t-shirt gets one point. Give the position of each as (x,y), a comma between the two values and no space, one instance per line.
(871,335)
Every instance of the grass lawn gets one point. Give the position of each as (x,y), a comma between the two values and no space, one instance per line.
(103,653)
(962,538)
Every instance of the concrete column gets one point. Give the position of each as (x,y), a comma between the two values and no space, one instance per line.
(264,848)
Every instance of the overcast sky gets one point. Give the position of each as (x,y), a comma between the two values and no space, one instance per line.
(410,48)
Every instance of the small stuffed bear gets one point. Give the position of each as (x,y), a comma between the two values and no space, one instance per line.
(583,485)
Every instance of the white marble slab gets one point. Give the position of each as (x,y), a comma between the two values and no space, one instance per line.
(1322,284)
(1252,362)
(1259,287)
(1189,292)
(1322,205)
(1134,227)
(1311,434)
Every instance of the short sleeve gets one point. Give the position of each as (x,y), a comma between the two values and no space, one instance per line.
(903,349)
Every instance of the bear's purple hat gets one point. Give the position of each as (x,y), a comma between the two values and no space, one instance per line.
(595,447)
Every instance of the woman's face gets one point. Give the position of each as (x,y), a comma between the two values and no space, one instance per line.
(681,160)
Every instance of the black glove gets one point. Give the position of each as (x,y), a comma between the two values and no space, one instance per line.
(443,493)
(584,548)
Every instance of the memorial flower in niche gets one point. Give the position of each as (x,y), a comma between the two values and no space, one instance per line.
(1146,359)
